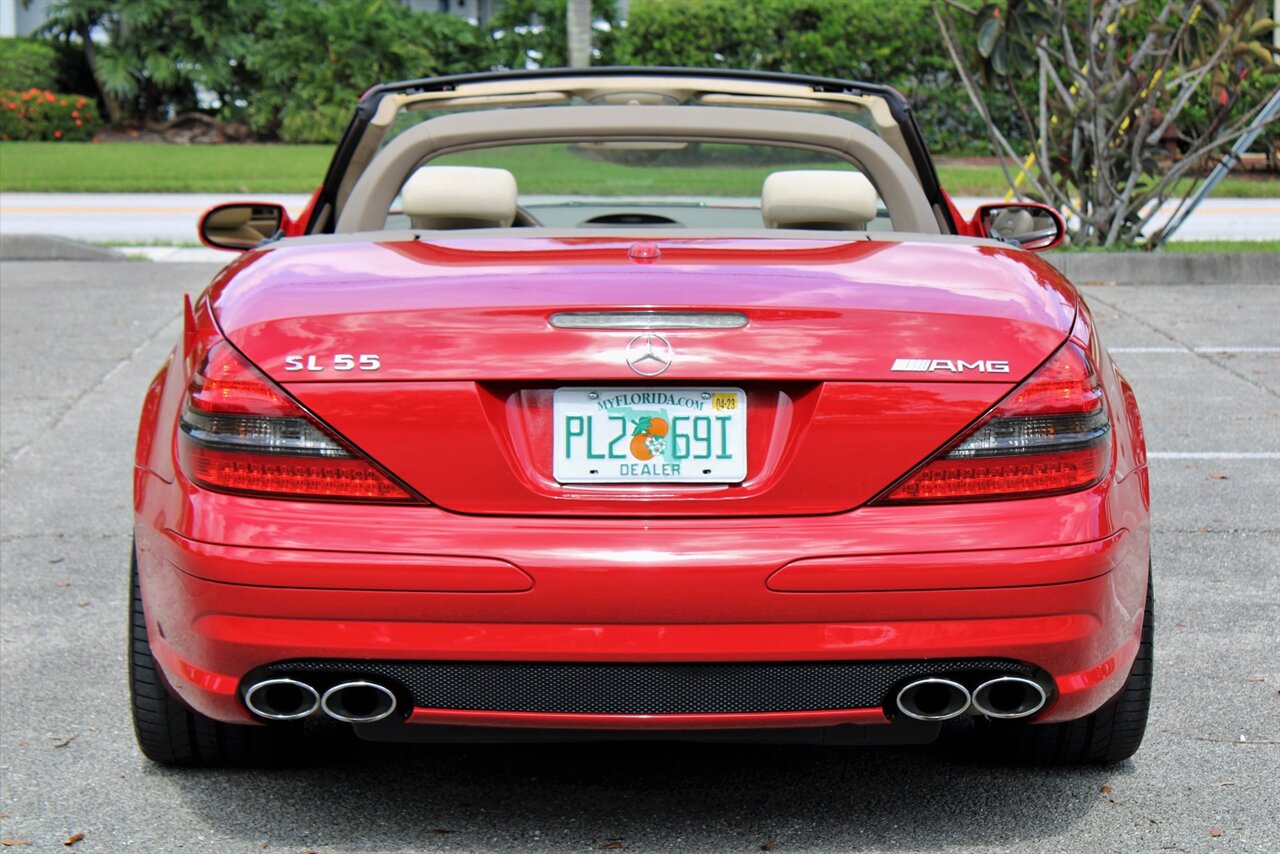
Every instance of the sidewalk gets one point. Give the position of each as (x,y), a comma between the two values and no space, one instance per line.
(149,218)
(120,218)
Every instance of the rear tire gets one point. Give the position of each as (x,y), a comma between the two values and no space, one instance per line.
(1111,734)
(170,733)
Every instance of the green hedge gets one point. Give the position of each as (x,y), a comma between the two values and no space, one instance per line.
(38,114)
(897,43)
(314,60)
(27,64)
(299,65)
(868,39)
(37,63)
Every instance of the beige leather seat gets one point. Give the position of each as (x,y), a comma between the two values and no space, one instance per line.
(445,197)
(821,199)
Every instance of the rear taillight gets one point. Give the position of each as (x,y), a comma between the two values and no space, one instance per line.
(1051,435)
(240,433)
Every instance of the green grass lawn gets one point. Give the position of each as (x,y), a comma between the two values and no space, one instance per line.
(1222,246)
(141,167)
(971,180)
(160,167)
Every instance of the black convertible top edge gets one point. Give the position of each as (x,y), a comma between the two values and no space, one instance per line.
(435,84)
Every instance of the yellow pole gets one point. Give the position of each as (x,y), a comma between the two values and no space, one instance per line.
(1021,176)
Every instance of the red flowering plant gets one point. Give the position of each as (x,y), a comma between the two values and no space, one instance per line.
(38,114)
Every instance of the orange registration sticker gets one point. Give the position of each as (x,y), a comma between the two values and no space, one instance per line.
(724,402)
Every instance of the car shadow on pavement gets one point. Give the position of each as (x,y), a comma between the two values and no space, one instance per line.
(641,796)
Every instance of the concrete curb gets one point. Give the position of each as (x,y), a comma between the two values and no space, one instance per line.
(40,247)
(1167,268)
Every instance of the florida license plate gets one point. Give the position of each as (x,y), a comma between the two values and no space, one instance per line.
(650,435)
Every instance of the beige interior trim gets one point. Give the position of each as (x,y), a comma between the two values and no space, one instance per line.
(454,101)
(796,102)
(365,151)
(366,207)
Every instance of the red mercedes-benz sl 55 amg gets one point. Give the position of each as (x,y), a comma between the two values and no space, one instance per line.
(639,403)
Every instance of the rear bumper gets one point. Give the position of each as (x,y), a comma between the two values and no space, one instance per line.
(418,584)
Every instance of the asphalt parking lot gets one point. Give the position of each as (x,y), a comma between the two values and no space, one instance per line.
(80,341)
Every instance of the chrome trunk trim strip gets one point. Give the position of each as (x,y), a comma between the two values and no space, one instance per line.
(648,320)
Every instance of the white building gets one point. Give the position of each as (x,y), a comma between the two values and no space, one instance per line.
(479,11)
(19,19)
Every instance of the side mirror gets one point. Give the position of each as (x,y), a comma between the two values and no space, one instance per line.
(1027,225)
(241,226)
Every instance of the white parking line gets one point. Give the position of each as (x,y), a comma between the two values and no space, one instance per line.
(1213,455)
(1213,349)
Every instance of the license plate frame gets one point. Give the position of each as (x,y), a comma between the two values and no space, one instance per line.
(693,435)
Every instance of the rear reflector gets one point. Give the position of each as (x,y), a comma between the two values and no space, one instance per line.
(240,433)
(285,475)
(1051,435)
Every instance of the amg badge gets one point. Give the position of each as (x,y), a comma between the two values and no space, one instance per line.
(955,366)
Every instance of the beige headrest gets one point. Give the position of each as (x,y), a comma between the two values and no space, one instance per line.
(460,197)
(232,216)
(824,199)
(1011,222)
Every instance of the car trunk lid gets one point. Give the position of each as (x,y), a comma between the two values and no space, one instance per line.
(855,360)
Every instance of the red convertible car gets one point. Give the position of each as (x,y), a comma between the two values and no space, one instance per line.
(639,403)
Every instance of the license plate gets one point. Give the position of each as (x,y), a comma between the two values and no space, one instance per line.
(650,435)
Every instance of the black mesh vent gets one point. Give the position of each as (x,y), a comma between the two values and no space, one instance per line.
(646,688)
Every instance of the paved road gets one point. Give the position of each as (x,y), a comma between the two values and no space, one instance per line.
(78,343)
(120,217)
(171,218)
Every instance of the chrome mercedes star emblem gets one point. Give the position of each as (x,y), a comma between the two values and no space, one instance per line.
(649,354)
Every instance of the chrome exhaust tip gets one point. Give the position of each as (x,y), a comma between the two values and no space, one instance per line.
(933,699)
(358,702)
(1009,697)
(281,699)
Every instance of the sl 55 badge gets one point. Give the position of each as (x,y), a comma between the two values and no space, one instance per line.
(338,362)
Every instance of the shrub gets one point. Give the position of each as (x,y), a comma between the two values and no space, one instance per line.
(38,114)
(531,34)
(27,63)
(315,59)
(893,43)
(154,58)
(72,73)
(860,39)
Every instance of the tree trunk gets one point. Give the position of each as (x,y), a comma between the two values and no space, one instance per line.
(114,115)
(579,32)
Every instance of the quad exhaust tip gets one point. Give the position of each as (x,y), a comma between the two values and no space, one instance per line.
(933,699)
(1009,697)
(358,702)
(282,699)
